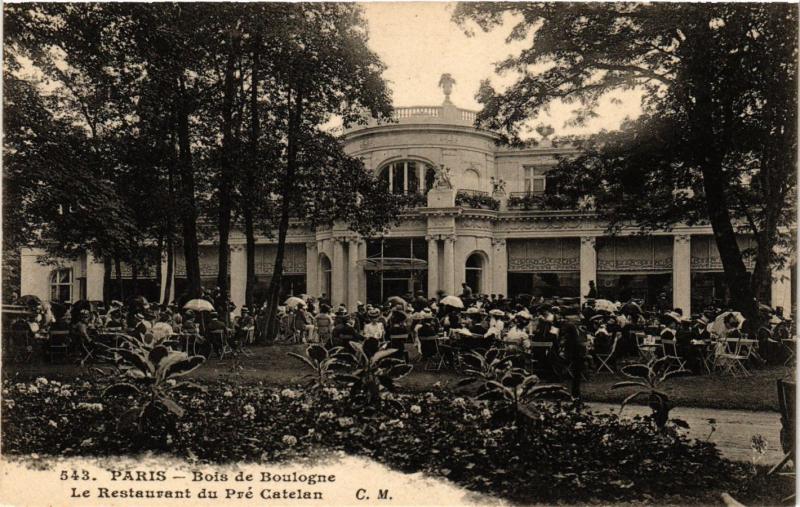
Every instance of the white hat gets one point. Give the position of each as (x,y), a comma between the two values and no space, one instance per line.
(497,313)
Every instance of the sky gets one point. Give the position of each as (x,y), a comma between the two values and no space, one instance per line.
(418,42)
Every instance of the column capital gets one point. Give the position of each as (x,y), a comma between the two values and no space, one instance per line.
(431,237)
(237,248)
(311,244)
(450,238)
(682,238)
(498,242)
(588,240)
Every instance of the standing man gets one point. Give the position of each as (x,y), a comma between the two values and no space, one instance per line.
(592,291)
(574,352)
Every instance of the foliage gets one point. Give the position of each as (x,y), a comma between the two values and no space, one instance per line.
(474,200)
(323,363)
(373,372)
(648,380)
(149,373)
(574,455)
(411,200)
(715,143)
(543,201)
(508,388)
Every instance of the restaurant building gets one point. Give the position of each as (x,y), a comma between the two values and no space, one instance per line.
(475,220)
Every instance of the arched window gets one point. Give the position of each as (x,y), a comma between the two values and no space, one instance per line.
(404,177)
(474,273)
(61,285)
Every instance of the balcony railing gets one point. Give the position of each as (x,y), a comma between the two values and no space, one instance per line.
(539,201)
(476,199)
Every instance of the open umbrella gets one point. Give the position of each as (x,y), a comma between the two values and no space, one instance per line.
(718,326)
(604,305)
(397,300)
(631,308)
(293,301)
(453,301)
(198,305)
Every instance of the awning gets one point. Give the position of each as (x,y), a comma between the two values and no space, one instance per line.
(392,264)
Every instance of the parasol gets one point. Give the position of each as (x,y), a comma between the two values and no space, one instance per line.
(453,301)
(604,305)
(631,308)
(718,326)
(293,302)
(199,305)
(161,331)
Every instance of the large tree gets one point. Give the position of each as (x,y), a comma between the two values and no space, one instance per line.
(717,139)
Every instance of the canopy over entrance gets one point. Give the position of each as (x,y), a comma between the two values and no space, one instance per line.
(393,264)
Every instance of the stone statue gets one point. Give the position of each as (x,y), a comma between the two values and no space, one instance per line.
(498,186)
(441,177)
(446,83)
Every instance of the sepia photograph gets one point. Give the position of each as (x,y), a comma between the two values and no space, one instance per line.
(384,253)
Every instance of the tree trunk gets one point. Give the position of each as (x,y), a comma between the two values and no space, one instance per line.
(295,116)
(118,267)
(226,172)
(708,157)
(247,207)
(188,205)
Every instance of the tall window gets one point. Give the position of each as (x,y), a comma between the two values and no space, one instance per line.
(61,285)
(533,179)
(404,177)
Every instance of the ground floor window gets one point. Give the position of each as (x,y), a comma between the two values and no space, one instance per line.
(711,289)
(61,285)
(474,273)
(627,286)
(149,288)
(544,284)
(395,267)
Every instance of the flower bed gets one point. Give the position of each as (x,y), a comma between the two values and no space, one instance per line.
(565,454)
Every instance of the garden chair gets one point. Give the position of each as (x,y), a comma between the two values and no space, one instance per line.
(219,342)
(429,348)
(58,345)
(604,358)
(731,357)
(787,405)
(645,345)
(670,349)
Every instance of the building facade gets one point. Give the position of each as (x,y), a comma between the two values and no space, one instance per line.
(474,220)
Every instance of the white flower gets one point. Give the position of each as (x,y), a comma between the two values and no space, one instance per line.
(87,442)
(382,427)
(41,381)
(486,413)
(345,422)
(291,394)
(33,390)
(415,409)
(172,382)
(289,440)
(169,439)
(92,407)
(52,423)
(579,425)
(227,394)
(10,403)
(306,406)
(459,402)
(249,411)
(326,415)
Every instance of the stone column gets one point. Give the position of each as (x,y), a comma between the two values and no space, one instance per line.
(238,276)
(449,267)
(338,273)
(433,266)
(499,276)
(682,273)
(312,267)
(588,264)
(94,278)
(352,275)
(362,274)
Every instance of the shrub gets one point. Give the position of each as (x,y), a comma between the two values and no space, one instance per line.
(476,200)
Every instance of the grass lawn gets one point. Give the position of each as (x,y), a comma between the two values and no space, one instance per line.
(270,364)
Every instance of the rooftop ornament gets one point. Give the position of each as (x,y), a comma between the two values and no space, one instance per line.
(446,83)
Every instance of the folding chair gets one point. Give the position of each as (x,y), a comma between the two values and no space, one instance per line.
(605,358)
(731,358)
(429,347)
(645,345)
(670,349)
(58,344)
(219,343)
